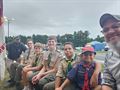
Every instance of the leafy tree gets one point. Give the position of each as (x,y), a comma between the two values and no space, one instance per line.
(100,39)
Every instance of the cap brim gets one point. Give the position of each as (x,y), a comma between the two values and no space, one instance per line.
(88,51)
(104,18)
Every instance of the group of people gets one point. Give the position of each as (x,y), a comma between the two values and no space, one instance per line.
(34,69)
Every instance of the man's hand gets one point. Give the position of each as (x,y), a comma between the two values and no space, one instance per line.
(36,78)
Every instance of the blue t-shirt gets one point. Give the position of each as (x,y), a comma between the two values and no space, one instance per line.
(76,75)
(15,50)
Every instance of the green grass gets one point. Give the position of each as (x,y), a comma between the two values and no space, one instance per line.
(2,83)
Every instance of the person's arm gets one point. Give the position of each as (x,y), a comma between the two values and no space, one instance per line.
(37,77)
(65,83)
(42,70)
(71,76)
(24,48)
(22,59)
(94,78)
(35,68)
(98,68)
(50,71)
(108,81)
(58,82)
(59,75)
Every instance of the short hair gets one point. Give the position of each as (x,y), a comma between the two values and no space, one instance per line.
(52,37)
(29,40)
(70,43)
(37,44)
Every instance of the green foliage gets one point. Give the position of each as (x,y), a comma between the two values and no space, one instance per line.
(100,39)
(79,38)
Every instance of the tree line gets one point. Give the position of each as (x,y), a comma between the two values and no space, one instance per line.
(79,38)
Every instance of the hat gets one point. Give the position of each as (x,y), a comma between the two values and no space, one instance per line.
(52,37)
(88,48)
(106,17)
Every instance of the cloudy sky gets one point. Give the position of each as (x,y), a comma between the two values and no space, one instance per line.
(53,17)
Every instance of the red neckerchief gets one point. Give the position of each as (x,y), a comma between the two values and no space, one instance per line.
(86,80)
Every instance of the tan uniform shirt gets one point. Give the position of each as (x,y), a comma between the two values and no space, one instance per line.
(37,60)
(54,59)
(27,56)
(63,65)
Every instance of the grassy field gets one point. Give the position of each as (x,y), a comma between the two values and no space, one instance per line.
(2,83)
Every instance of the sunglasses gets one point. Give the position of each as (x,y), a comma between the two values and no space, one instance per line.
(88,53)
(114,26)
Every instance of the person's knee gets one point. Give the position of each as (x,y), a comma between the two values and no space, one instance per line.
(20,67)
(105,87)
(41,83)
(13,66)
(98,87)
(45,87)
(49,86)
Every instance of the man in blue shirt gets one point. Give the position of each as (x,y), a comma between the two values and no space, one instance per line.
(14,50)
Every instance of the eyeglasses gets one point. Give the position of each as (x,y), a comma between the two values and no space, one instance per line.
(88,53)
(114,26)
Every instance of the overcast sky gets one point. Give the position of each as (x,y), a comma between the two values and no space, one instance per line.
(53,17)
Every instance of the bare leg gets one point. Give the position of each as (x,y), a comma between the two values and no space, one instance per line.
(104,87)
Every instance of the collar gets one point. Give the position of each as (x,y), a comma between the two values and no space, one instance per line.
(52,51)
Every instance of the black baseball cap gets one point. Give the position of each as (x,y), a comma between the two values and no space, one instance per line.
(105,17)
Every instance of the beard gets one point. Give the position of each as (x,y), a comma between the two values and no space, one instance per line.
(115,46)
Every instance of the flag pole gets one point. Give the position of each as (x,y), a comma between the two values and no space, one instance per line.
(2,43)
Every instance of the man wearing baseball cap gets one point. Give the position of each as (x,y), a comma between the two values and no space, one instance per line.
(111,30)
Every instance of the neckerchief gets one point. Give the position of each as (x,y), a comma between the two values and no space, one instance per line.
(36,60)
(49,59)
(69,62)
(86,79)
